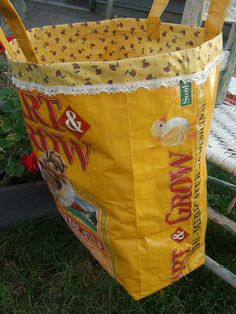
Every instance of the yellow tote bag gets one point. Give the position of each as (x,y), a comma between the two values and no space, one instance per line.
(118,113)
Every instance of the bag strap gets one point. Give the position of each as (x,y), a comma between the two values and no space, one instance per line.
(216,16)
(18,30)
(214,22)
(6,44)
(154,17)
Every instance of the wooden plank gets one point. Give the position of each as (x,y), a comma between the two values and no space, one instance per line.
(221,271)
(25,201)
(231,205)
(109,9)
(231,15)
(222,220)
(229,68)
(175,7)
(231,38)
(193,11)
(63,5)
(228,186)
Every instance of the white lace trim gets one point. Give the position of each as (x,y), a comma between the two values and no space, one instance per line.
(199,77)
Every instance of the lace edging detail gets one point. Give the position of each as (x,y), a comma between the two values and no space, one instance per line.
(199,78)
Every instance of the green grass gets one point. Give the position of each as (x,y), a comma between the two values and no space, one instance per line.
(44,269)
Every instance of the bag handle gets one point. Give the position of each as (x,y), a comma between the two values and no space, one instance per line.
(216,16)
(18,30)
(6,44)
(214,22)
(154,18)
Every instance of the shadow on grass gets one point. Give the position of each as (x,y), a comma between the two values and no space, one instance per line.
(45,269)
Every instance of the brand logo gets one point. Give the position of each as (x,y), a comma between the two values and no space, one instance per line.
(181,188)
(179,263)
(47,129)
(185,94)
(74,123)
(179,235)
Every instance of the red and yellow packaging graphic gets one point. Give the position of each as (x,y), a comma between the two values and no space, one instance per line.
(129,179)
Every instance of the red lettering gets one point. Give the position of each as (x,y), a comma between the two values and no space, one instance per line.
(183,203)
(178,162)
(179,259)
(33,137)
(70,150)
(181,200)
(50,102)
(31,104)
(182,187)
(39,138)
(172,221)
(175,186)
(55,143)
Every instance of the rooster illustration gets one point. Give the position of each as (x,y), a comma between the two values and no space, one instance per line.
(172,132)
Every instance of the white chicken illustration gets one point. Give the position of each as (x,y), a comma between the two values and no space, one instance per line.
(172,132)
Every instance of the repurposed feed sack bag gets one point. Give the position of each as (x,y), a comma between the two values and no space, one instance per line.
(118,113)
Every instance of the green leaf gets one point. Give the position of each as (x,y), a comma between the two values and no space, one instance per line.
(14,167)
(5,93)
(14,141)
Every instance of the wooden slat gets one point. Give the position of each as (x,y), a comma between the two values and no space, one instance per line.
(228,186)
(193,11)
(221,271)
(225,59)
(229,68)
(221,220)
(231,15)
(62,5)
(109,9)
(231,38)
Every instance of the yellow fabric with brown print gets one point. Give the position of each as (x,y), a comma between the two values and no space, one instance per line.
(116,51)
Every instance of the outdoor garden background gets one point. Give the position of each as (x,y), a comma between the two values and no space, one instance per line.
(45,269)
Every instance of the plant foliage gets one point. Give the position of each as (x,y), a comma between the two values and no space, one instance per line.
(13,137)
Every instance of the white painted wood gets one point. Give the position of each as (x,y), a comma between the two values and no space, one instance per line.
(221,271)
(232,37)
(222,184)
(63,5)
(229,68)
(193,11)
(231,205)
(221,220)
(231,15)
(109,9)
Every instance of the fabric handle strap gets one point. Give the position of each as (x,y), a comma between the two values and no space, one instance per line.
(18,30)
(6,44)
(216,16)
(214,22)
(154,18)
